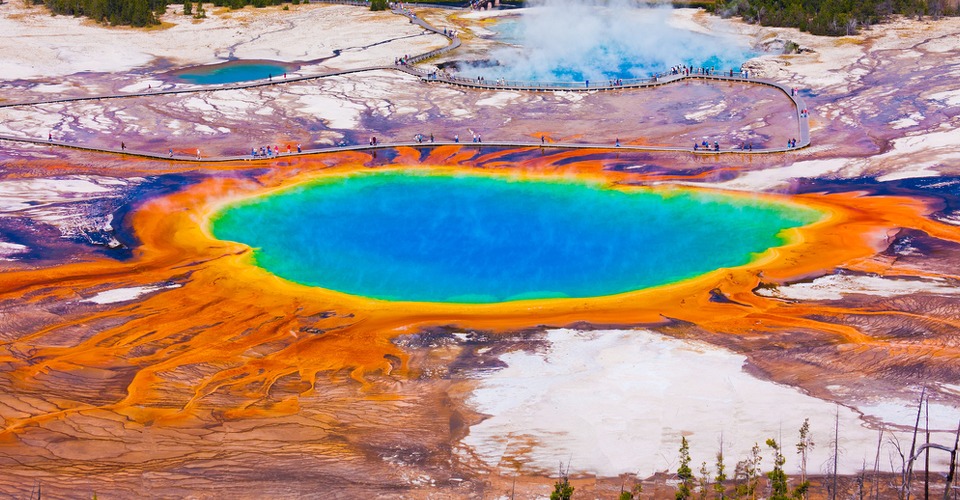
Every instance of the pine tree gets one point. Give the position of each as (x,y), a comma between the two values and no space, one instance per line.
(562,489)
(684,473)
(721,476)
(747,474)
(703,482)
(778,479)
(803,447)
(187,8)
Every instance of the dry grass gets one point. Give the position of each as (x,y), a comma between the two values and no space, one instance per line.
(848,40)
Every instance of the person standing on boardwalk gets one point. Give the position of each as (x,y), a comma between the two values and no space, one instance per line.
(123,146)
(198,153)
(299,150)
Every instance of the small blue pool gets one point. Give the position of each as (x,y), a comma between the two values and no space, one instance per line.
(233,72)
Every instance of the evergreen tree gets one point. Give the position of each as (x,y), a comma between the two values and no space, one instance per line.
(803,447)
(721,476)
(562,489)
(778,479)
(187,8)
(703,482)
(378,5)
(747,474)
(684,473)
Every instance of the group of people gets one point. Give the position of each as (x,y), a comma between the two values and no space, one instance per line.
(420,137)
(705,146)
(266,151)
(683,69)
(792,143)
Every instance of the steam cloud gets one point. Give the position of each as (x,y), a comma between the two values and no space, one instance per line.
(577,40)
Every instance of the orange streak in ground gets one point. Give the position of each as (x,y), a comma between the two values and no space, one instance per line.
(226,337)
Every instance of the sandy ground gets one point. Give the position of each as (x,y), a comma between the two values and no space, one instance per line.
(884,106)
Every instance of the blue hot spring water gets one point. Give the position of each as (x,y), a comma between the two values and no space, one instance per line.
(468,238)
(231,72)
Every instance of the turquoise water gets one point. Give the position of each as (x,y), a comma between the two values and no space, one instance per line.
(437,238)
(232,72)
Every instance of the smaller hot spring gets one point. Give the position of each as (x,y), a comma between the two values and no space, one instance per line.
(234,72)
(568,41)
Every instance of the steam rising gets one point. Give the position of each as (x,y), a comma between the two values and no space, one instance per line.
(577,40)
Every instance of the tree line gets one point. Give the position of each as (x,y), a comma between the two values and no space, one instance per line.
(830,17)
(140,13)
(114,12)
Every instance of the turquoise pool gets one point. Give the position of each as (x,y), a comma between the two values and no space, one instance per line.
(479,239)
(232,72)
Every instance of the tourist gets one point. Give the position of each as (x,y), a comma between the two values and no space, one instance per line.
(431,136)
(288,149)
(50,137)
(716,146)
(298,148)
(618,142)
(171,152)
(253,152)
(123,147)
(456,138)
(198,153)
(542,140)
(276,150)
(696,147)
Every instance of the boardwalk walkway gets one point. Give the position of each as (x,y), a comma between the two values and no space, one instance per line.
(803,125)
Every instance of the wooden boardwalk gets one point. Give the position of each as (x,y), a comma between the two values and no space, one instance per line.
(803,124)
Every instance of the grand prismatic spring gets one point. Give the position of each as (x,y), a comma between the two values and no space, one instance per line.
(443,287)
